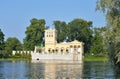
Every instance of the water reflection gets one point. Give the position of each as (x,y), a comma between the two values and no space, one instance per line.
(20,69)
(12,70)
(59,70)
(99,70)
(1,67)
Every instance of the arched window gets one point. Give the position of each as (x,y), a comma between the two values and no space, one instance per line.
(56,49)
(78,46)
(67,49)
(49,50)
(62,49)
(53,50)
(75,46)
(71,46)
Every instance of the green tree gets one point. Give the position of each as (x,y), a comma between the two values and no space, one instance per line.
(34,34)
(1,40)
(2,44)
(61,28)
(10,45)
(111,8)
(97,46)
(79,29)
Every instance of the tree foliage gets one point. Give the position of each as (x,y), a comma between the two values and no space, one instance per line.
(10,45)
(1,40)
(97,46)
(80,30)
(34,34)
(112,10)
(2,44)
(77,29)
(61,28)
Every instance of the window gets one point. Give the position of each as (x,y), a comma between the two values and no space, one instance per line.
(78,46)
(71,46)
(75,46)
(49,50)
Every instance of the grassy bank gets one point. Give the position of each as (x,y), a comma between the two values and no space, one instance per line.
(17,58)
(95,58)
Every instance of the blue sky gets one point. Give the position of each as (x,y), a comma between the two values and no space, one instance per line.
(15,15)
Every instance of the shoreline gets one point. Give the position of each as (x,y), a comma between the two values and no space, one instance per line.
(95,58)
(90,58)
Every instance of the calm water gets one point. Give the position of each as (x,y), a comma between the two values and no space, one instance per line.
(56,70)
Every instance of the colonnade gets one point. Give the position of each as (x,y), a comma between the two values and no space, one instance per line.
(22,52)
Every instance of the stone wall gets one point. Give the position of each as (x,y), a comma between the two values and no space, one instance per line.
(52,56)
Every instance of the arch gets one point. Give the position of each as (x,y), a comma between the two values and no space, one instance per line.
(53,50)
(37,59)
(56,49)
(71,46)
(75,46)
(62,49)
(67,50)
(78,46)
(49,50)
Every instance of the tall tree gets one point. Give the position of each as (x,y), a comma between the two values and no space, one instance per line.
(77,29)
(1,40)
(61,28)
(81,30)
(97,46)
(10,45)
(2,44)
(34,34)
(112,10)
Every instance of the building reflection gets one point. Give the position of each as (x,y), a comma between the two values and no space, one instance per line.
(62,70)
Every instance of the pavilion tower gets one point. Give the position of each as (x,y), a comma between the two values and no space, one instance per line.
(50,40)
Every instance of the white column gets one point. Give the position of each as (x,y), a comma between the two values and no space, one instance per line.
(79,50)
(13,52)
(71,50)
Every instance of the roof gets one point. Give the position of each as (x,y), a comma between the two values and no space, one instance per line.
(63,42)
(75,42)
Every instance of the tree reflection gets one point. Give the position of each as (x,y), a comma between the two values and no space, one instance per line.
(57,70)
(35,71)
(1,70)
(116,72)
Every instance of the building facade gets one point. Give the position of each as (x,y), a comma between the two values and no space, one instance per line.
(51,44)
(62,51)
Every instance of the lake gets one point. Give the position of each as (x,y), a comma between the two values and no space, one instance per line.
(19,69)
